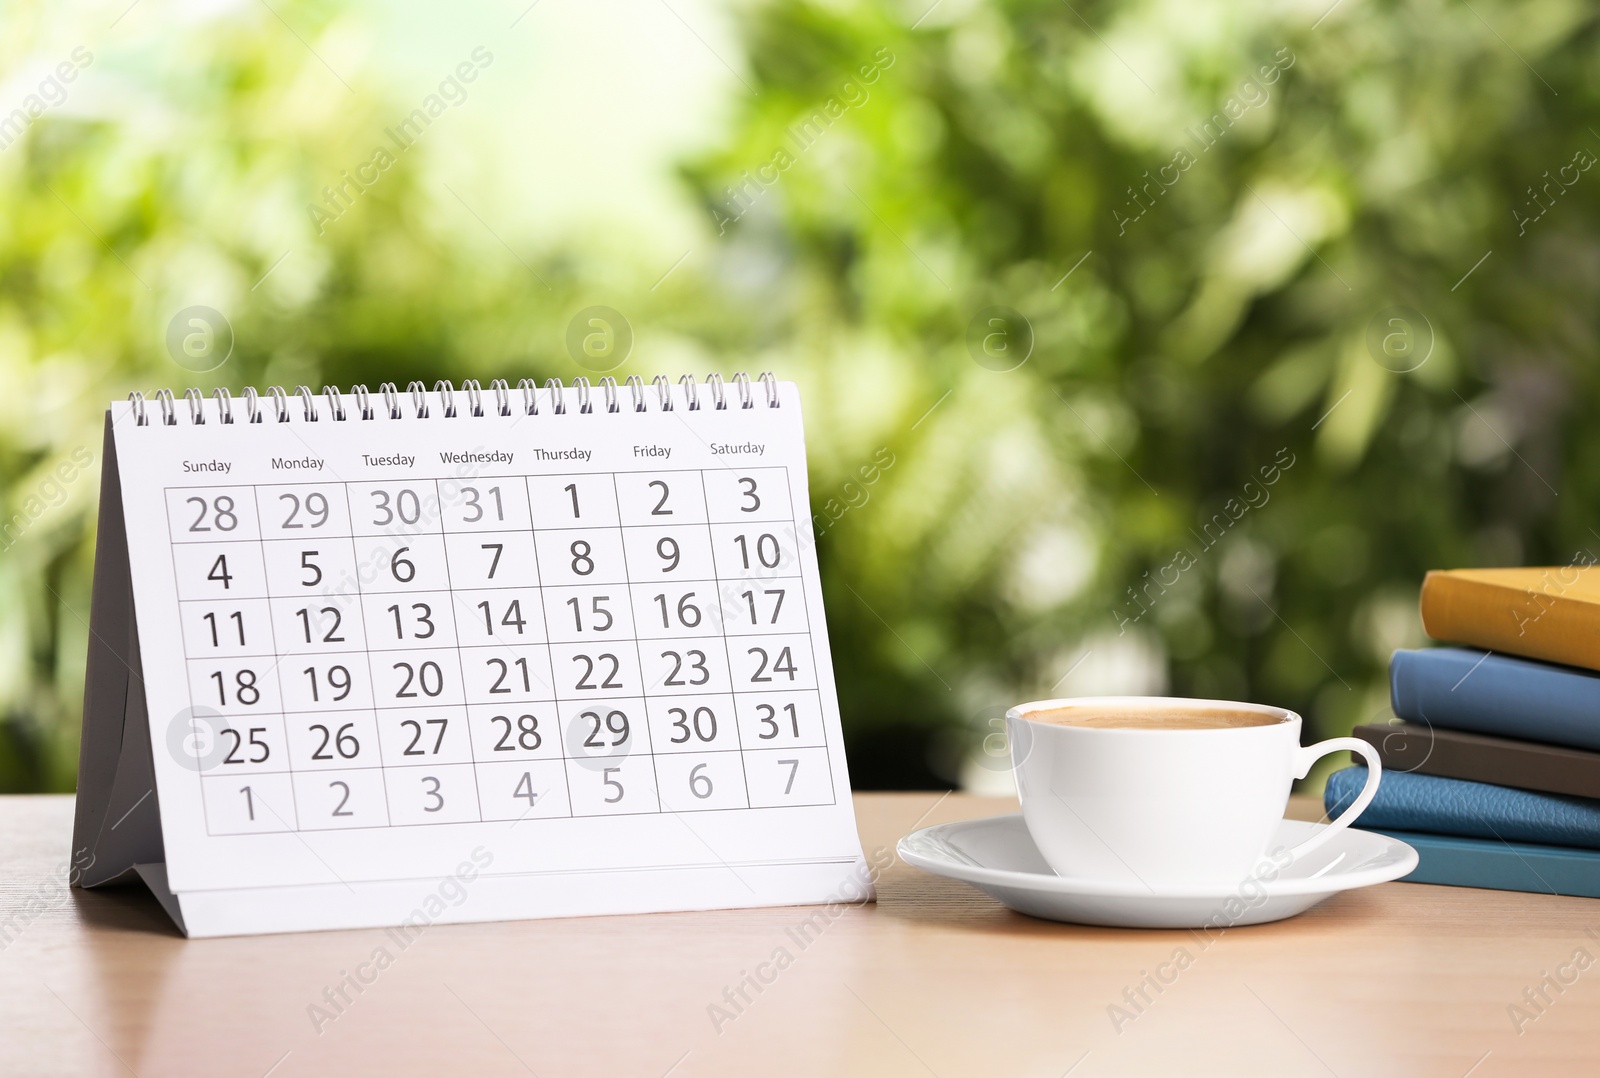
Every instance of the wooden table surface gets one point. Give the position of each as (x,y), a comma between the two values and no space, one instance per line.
(936,978)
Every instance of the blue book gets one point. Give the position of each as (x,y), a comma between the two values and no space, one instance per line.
(1489,693)
(1408,801)
(1502,866)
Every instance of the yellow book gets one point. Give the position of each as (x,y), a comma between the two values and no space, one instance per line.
(1538,613)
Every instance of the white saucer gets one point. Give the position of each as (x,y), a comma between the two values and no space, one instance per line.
(997,856)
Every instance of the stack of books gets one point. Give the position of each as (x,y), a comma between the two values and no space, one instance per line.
(1493,770)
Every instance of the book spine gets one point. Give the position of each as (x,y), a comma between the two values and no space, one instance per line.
(1501,866)
(1499,760)
(1466,690)
(1441,806)
(1529,622)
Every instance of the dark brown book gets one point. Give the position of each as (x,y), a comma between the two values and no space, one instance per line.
(1528,765)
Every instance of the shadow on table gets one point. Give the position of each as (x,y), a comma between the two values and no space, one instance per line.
(126,907)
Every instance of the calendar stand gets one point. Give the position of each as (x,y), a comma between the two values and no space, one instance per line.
(450,660)
(117,831)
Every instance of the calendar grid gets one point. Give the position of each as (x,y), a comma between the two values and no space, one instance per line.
(268,570)
(638,662)
(172,552)
(727,651)
(480,758)
(544,619)
(277,675)
(461,667)
(361,613)
(811,641)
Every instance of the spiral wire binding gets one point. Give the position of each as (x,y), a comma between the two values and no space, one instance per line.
(393,404)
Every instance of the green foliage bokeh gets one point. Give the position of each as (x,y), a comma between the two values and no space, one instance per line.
(1369,279)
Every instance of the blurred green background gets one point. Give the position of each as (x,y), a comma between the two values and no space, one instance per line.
(1153,346)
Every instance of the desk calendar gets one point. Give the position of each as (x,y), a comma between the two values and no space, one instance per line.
(564,645)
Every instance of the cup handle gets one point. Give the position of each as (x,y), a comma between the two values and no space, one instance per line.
(1309,755)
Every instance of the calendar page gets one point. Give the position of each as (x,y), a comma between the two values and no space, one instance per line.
(565,642)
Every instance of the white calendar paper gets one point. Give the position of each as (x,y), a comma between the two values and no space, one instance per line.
(574,660)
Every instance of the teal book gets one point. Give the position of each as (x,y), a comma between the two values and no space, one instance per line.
(1433,804)
(1501,866)
(1475,834)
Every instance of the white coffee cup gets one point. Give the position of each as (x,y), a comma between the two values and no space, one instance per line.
(1153,804)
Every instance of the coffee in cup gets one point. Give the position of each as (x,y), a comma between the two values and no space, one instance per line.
(1155,718)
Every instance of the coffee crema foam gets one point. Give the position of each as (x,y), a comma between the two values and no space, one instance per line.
(1154,718)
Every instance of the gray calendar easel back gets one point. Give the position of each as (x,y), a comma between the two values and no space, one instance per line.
(117,832)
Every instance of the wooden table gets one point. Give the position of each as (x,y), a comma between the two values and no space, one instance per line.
(935,978)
